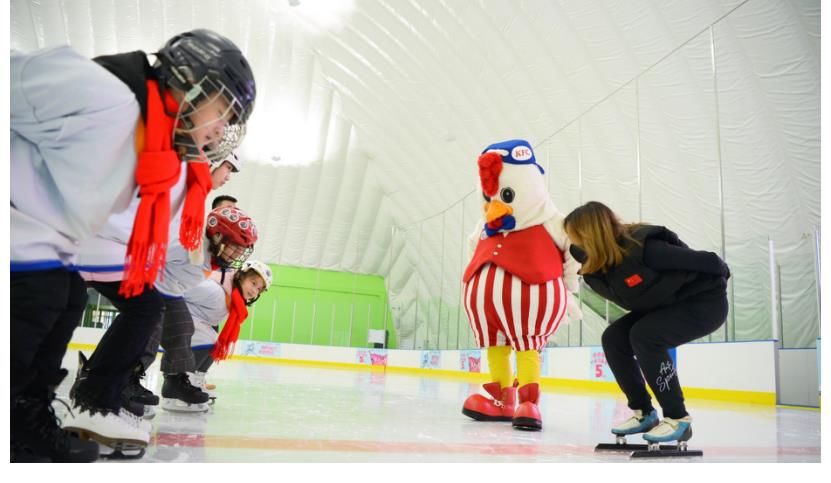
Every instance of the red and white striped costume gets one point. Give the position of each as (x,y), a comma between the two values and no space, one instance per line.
(513,289)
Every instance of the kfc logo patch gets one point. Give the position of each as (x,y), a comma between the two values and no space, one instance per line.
(522,153)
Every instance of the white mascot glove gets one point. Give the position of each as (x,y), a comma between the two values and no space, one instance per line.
(573,311)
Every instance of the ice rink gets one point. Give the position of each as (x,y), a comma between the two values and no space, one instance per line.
(286,413)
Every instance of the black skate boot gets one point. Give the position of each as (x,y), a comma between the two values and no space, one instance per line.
(36,435)
(137,392)
(80,374)
(178,394)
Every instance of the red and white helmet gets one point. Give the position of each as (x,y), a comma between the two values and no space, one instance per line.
(233,226)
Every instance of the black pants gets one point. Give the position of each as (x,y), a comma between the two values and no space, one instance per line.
(45,307)
(122,345)
(648,335)
(203,359)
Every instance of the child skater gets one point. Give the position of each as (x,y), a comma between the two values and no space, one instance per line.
(222,297)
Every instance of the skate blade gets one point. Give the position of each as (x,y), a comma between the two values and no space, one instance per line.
(631,447)
(667,453)
(129,445)
(177,406)
(109,453)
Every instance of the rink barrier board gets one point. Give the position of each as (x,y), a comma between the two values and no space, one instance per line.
(546,383)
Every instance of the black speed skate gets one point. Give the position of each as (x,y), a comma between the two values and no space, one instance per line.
(178,394)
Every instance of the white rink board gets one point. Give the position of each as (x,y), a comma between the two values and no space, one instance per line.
(738,366)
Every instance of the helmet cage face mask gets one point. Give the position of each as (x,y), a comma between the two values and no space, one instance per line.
(236,262)
(200,98)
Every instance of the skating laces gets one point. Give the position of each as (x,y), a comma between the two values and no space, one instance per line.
(47,423)
(130,418)
(186,384)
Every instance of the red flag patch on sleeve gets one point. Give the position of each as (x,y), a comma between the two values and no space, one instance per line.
(633,280)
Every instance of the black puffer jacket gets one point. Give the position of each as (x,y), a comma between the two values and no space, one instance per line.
(659,271)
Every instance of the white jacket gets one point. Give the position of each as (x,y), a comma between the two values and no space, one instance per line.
(101,258)
(208,306)
(180,274)
(73,154)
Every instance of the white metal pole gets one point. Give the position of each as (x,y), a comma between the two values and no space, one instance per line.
(332,326)
(441,284)
(732,320)
(251,325)
(273,320)
(293,313)
(818,271)
(774,306)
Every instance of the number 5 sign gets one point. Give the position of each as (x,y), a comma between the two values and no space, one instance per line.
(600,370)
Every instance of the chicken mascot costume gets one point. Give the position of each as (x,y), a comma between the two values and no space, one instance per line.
(518,284)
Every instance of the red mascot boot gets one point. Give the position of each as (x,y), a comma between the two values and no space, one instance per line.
(500,408)
(527,416)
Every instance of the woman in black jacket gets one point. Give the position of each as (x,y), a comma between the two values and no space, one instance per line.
(674,295)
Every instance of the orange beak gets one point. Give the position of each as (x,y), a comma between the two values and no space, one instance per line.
(496,209)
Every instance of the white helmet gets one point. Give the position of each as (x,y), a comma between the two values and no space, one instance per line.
(261,268)
(232,159)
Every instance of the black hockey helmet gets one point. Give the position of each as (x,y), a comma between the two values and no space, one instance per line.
(202,63)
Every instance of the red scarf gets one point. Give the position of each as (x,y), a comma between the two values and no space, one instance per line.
(238,312)
(193,214)
(157,170)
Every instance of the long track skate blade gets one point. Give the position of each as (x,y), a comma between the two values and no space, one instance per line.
(662,453)
(631,447)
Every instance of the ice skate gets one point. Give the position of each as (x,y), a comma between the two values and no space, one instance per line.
(638,423)
(499,407)
(36,436)
(121,433)
(527,417)
(137,392)
(669,430)
(179,395)
(198,380)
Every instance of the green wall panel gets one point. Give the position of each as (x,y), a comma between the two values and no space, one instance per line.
(308,306)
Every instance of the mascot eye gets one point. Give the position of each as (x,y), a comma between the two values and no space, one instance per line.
(507,195)
(487,198)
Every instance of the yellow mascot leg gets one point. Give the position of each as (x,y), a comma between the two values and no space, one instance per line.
(527,367)
(499,362)
(527,416)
